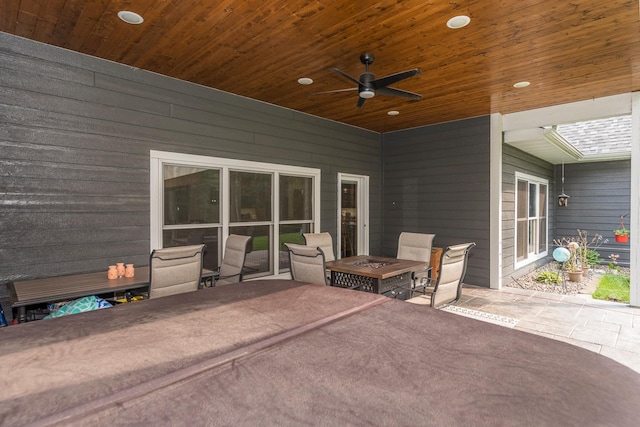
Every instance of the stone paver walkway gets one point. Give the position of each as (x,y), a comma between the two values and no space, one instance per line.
(608,328)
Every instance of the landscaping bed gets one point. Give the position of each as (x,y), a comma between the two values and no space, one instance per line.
(587,286)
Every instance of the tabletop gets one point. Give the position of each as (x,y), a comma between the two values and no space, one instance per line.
(375,266)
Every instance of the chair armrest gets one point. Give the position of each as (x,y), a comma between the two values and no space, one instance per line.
(425,281)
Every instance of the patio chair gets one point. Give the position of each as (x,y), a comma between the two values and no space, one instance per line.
(175,270)
(232,267)
(307,264)
(417,247)
(448,286)
(323,241)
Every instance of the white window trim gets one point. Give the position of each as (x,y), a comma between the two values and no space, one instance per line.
(363,212)
(536,180)
(158,158)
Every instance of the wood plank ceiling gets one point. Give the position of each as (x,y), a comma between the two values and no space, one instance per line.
(568,50)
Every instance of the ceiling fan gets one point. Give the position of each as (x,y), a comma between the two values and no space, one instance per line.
(369,86)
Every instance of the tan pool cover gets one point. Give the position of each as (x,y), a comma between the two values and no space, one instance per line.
(283,353)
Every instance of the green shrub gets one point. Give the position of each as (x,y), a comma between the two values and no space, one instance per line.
(549,277)
(593,258)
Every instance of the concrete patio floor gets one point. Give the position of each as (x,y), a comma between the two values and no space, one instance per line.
(608,328)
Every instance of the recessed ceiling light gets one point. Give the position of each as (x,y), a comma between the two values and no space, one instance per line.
(393,113)
(130,17)
(305,80)
(458,22)
(520,85)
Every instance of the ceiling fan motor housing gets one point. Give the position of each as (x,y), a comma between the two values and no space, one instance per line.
(365,88)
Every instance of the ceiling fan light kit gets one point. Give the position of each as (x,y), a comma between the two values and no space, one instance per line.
(367,93)
(369,86)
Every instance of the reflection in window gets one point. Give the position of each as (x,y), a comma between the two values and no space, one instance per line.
(531,219)
(191,195)
(192,209)
(258,258)
(195,236)
(250,196)
(542,215)
(349,218)
(290,233)
(296,198)
(296,213)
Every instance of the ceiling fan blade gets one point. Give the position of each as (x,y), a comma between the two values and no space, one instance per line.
(360,102)
(389,91)
(351,89)
(345,75)
(393,78)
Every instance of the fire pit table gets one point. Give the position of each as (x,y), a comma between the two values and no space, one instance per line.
(378,275)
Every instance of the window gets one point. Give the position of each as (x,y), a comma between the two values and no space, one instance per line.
(197,199)
(296,213)
(531,228)
(191,211)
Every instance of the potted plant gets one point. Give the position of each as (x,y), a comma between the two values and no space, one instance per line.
(582,253)
(613,265)
(622,233)
(572,264)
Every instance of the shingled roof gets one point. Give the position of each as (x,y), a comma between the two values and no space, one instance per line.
(603,137)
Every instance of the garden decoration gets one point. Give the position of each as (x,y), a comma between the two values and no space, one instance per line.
(583,253)
(562,255)
(577,257)
(563,199)
(622,233)
(574,268)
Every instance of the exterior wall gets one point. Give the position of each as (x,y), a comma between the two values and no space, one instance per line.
(514,160)
(600,193)
(436,180)
(76,132)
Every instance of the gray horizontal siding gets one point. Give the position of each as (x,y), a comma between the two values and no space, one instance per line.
(600,193)
(75,139)
(514,160)
(436,180)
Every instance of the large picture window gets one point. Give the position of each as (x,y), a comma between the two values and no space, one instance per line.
(531,230)
(197,199)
